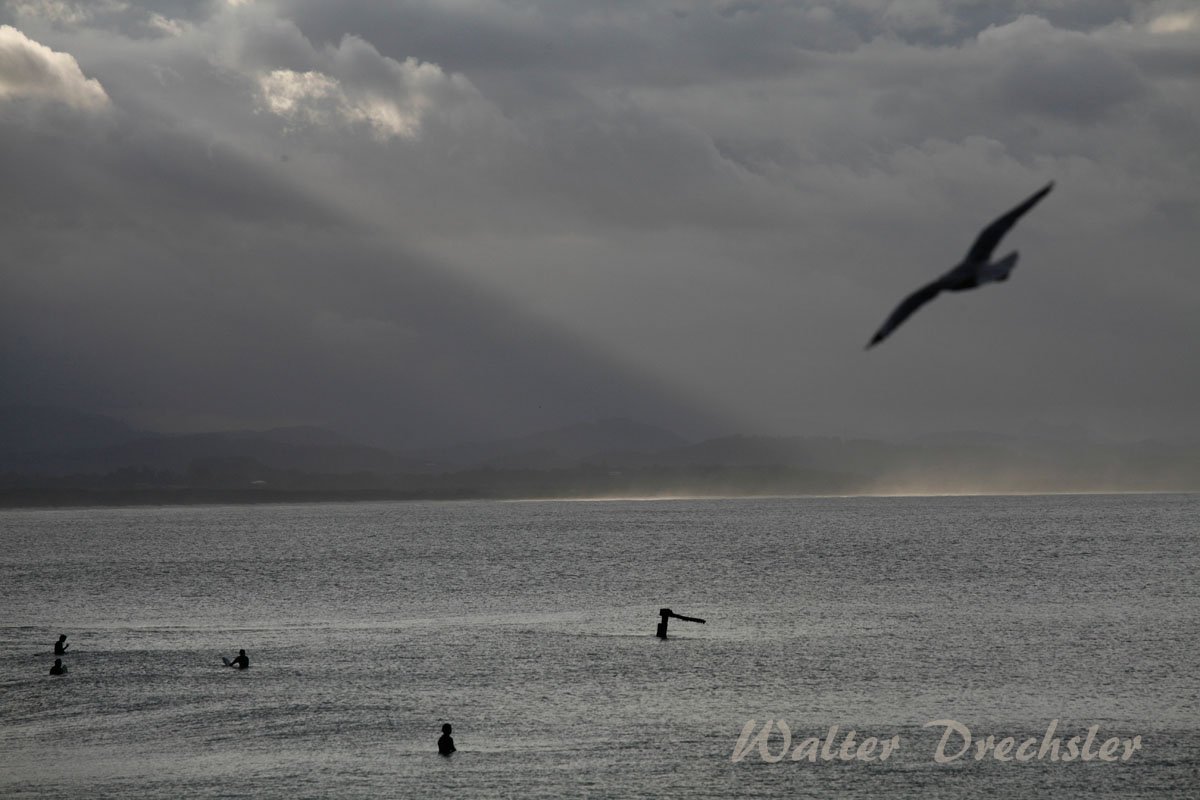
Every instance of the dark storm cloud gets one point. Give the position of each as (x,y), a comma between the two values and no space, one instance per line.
(215,292)
(473,216)
(166,275)
(608,42)
(1065,74)
(119,175)
(147,19)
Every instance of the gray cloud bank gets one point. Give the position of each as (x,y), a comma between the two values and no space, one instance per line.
(429,221)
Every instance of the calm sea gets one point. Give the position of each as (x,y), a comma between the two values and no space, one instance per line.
(529,627)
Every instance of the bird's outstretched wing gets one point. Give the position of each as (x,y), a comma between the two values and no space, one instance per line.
(903,311)
(981,251)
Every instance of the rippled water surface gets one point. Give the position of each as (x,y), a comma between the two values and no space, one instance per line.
(529,626)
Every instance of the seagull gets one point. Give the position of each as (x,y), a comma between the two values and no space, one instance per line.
(975,270)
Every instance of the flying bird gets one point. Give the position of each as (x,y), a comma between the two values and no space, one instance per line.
(975,270)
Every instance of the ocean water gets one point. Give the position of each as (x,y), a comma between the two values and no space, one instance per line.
(529,627)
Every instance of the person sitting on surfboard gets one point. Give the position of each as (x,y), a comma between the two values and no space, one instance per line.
(241,662)
(446,741)
(60,647)
(58,668)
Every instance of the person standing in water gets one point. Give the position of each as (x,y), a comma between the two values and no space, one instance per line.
(446,742)
(58,668)
(242,661)
(60,647)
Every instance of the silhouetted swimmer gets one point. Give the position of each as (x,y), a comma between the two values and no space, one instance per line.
(446,741)
(242,661)
(60,647)
(59,668)
(666,614)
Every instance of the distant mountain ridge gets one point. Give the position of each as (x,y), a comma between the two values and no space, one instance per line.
(608,457)
(62,441)
(25,429)
(59,441)
(557,448)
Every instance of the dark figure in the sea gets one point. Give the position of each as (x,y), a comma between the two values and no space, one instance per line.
(242,661)
(666,614)
(60,647)
(446,741)
(58,668)
(976,268)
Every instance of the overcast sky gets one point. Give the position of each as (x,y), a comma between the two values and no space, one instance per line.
(442,220)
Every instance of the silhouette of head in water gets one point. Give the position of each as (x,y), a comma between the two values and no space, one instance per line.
(446,742)
(58,668)
(60,647)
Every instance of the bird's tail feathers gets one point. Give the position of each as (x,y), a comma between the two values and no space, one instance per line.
(998,270)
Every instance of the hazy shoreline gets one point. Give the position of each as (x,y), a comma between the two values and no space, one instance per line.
(55,457)
(83,498)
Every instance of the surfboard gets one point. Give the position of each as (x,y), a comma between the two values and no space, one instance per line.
(228,663)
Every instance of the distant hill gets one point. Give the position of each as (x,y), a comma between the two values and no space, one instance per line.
(557,448)
(62,442)
(176,453)
(30,429)
(304,435)
(56,449)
